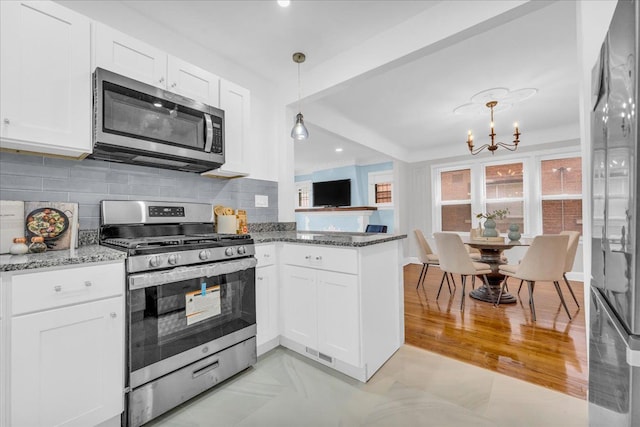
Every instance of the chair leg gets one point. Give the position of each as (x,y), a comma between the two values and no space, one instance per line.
(557,285)
(473,282)
(504,285)
(423,273)
(570,289)
(532,305)
(441,283)
(520,287)
(464,281)
(453,282)
(448,284)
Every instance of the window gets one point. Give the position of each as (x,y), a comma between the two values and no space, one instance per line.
(561,183)
(303,194)
(381,188)
(383,193)
(549,203)
(455,200)
(504,189)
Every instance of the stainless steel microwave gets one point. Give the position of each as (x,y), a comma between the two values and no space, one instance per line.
(141,124)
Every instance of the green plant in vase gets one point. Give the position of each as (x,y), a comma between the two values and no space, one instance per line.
(490,223)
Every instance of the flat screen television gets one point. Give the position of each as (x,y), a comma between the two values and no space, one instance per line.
(332,193)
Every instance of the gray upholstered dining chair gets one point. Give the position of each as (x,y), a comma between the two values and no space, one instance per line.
(454,259)
(429,258)
(544,261)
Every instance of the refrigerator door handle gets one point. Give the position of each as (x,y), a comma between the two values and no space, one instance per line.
(632,341)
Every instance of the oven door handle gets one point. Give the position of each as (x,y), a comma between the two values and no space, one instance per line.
(157,278)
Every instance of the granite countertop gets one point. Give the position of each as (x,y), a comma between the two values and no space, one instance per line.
(95,253)
(331,238)
(82,255)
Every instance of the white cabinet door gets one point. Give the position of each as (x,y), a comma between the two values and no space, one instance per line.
(122,54)
(267,306)
(299,315)
(338,316)
(193,82)
(236,103)
(46,79)
(67,365)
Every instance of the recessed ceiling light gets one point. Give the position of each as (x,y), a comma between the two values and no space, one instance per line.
(284,3)
(338,150)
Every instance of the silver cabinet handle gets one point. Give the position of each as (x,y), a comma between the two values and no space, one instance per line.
(173,84)
(267,255)
(113,314)
(87,283)
(6,121)
(161,80)
(260,278)
(57,288)
(318,258)
(307,257)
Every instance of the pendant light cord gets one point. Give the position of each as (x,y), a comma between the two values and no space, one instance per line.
(299,91)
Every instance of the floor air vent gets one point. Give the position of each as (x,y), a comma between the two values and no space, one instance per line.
(326,358)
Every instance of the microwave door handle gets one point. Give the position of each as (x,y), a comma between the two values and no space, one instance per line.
(208,134)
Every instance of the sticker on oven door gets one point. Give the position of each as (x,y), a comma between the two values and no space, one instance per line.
(202,304)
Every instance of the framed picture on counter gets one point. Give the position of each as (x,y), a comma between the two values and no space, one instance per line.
(55,222)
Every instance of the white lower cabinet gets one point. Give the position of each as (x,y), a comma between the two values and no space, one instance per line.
(267,298)
(343,306)
(267,305)
(320,311)
(63,363)
(66,341)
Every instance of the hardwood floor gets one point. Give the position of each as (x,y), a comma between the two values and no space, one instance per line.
(551,352)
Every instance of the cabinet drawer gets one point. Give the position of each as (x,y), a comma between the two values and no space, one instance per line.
(50,289)
(321,257)
(266,255)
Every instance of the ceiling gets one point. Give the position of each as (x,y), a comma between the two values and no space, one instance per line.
(403,108)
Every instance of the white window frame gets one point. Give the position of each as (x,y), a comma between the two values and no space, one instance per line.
(437,191)
(525,188)
(380,177)
(532,185)
(540,198)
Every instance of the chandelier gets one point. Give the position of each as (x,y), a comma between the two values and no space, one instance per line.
(494,145)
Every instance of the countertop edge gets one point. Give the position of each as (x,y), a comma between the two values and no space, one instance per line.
(83,255)
(288,237)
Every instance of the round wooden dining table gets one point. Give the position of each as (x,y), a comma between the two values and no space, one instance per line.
(491,253)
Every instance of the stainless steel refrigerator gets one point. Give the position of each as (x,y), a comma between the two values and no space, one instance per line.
(614,338)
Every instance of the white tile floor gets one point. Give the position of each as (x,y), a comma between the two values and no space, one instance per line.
(414,388)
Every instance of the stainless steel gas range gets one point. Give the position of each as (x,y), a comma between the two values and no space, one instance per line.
(190,302)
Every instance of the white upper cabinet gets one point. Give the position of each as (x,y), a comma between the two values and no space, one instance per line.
(123,54)
(193,82)
(236,103)
(45,56)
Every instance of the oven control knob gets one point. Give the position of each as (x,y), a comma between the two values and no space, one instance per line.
(204,255)
(241,250)
(155,261)
(173,259)
(228,252)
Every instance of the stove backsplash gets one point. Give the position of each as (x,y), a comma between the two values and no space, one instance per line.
(38,178)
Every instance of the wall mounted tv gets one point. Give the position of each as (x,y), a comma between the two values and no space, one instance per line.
(332,193)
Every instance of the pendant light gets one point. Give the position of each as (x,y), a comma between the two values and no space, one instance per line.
(299,131)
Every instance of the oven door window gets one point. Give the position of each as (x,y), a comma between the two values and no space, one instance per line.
(131,113)
(171,318)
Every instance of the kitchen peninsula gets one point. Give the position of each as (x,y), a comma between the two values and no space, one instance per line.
(339,294)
